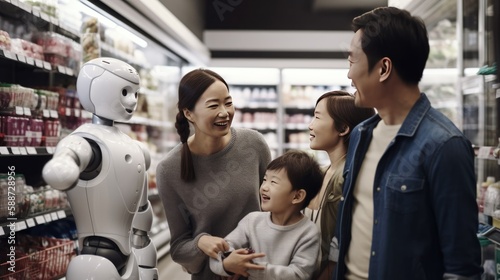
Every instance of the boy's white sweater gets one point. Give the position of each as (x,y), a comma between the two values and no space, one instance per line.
(291,251)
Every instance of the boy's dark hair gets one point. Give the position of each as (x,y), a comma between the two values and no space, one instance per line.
(302,170)
(396,34)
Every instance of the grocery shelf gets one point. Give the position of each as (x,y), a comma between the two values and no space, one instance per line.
(36,63)
(32,221)
(26,151)
(7,5)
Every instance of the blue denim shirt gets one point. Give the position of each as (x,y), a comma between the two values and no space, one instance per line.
(425,211)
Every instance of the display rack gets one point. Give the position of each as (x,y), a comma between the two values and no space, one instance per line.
(158,67)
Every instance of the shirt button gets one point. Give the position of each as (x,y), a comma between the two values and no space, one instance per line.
(378,189)
(373,253)
(403,187)
(376,222)
(342,198)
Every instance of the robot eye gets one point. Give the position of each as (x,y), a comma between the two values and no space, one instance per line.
(124,92)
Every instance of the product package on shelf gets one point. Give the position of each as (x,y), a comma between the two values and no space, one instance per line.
(29,201)
(59,50)
(5,41)
(90,39)
(25,118)
(15,201)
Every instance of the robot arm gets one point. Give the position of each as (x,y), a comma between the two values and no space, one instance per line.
(72,155)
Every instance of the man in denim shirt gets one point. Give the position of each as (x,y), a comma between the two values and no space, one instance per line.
(408,209)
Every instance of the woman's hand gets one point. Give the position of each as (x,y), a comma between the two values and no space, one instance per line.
(239,261)
(212,245)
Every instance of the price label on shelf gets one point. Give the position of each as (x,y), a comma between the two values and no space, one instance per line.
(54,216)
(15,150)
(19,110)
(31,150)
(30,222)
(46,113)
(9,55)
(15,2)
(61,214)
(35,11)
(26,111)
(38,63)
(61,69)
(21,58)
(30,60)
(484,152)
(22,151)
(53,114)
(47,65)
(50,150)
(4,151)
(69,71)
(40,219)
(54,20)
(48,218)
(44,16)
(25,6)
(21,226)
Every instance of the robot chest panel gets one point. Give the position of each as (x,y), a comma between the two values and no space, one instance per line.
(126,161)
(122,174)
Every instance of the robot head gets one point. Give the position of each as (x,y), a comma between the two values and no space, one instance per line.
(107,87)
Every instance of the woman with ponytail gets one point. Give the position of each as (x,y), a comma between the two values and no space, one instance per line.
(211,180)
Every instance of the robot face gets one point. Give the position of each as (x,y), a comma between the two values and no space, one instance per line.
(108,88)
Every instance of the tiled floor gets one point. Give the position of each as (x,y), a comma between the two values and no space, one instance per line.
(168,270)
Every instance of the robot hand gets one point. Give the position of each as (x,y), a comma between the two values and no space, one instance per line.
(72,156)
(61,173)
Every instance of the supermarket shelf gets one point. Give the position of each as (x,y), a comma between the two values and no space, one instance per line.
(485,152)
(27,151)
(37,63)
(32,221)
(297,126)
(148,122)
(35,11)
(301,146)
(257,126)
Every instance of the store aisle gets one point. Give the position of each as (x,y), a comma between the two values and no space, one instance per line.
(169,270)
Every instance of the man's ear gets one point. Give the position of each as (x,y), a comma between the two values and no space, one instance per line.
(385,69)
(187,114)
(299,196)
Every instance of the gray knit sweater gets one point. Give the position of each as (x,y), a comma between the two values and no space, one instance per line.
(291,251)
(225,190)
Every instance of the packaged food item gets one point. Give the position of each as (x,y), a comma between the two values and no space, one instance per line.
(4,40)
(90,39)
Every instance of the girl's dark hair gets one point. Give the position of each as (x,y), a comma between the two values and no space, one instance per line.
(303,172)
(341,108)
(191,87)
(396,34)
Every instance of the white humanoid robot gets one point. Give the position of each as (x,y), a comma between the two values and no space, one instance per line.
(103,172)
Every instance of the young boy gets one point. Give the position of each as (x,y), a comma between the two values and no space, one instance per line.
(288,242)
